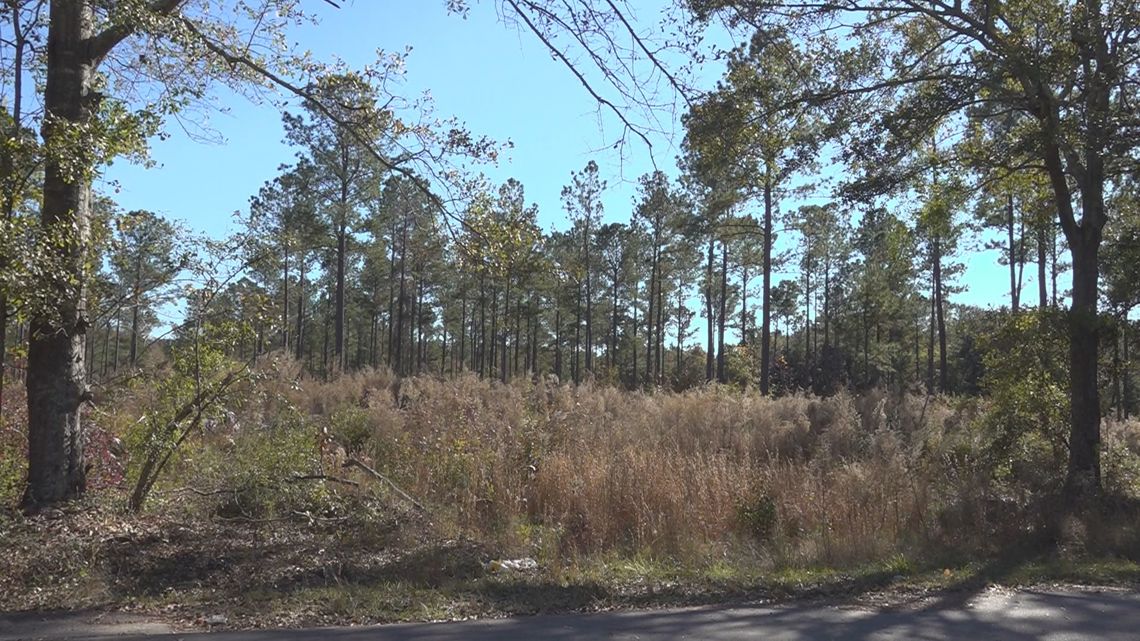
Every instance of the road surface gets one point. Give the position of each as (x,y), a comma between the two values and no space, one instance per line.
(1050,615)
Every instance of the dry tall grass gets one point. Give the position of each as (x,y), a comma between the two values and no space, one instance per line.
(563,471)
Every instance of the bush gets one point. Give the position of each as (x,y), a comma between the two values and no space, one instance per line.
(757,517)
(256,473)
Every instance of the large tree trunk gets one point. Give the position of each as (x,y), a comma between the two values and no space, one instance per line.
(1084,238)
(55,378)
(1084,332)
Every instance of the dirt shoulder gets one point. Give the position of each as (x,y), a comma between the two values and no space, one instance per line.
(63,572)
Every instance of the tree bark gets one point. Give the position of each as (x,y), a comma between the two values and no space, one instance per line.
(766,309)
(285,299)
(649,318)
(56,367)
(1042,284)
(341,266)
(136,294)
(614,322)
(940,307)
(710,363)
(1014,294)
(634,382)
(300,333)
(1084,333)
(721,376)
(574,372)
(558,343)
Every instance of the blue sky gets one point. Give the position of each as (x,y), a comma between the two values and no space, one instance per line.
(500,81)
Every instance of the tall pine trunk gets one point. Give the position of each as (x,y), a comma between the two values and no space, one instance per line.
(300,332)
(940,307)
(649,340)
(341,266)
(766,309)
(1014,291)
(721,377)
(709,359)
(1042,277)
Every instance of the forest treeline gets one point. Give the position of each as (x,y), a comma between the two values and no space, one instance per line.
(394,283)
(940,127)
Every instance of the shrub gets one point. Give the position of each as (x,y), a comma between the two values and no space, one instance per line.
(756,516)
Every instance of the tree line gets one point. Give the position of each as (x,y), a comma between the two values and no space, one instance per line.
(943,117)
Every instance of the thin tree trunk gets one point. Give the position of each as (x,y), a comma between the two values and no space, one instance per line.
(589,344)
(106,344)
(807,309)
(1117,395)
(325,342)
(710,362)
(136,294)
(743,303)
(680,311)
(827,301)
(493,361)
(301,309)
(766,309)
(721,376)
(943,370)
(462,330)
(633,343)
(1042,285)
(558,342)
(341,266)
(614,323)
(285,300)
(118,331)
(1127,369)
(660,350)
(649,318)
(1014,294)
(577,335)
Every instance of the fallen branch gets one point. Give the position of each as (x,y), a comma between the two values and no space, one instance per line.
(355,463)
(322,477)
(194,490)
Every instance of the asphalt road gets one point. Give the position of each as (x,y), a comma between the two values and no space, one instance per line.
(1049,615)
